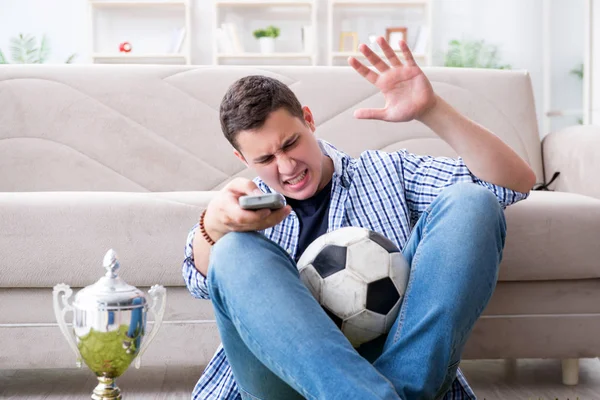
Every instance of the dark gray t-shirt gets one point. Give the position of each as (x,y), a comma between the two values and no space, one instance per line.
(313,215)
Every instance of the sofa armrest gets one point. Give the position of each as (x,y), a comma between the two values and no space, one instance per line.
(61,237)
(573,152)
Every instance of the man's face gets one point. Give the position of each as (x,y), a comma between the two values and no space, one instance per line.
(286,155)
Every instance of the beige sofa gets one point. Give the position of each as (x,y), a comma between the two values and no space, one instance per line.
(94,157)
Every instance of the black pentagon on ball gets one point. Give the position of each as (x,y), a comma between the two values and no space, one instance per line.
(384,242)
(336,320)
(331,259)
(382,295)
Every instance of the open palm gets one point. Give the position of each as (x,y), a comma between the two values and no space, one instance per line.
(407,91)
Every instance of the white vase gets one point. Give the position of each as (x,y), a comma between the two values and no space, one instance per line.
(267,45)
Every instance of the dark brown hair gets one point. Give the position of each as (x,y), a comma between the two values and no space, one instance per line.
(249,101)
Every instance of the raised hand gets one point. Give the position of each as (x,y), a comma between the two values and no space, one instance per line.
(407,91)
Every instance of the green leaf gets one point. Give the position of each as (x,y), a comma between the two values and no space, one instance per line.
(71,58)
(44,51)
(472,54)
(2,58)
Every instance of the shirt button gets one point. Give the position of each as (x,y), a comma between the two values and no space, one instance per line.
(289,251)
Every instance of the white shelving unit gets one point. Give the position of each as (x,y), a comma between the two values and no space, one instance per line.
(335,7)
(245,57)
(136,9)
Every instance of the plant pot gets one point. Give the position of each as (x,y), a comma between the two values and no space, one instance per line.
(267,45)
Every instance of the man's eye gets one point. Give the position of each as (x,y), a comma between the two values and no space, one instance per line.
(290,145)
(266,160)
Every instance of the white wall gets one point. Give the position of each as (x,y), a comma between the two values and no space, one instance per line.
(514,25)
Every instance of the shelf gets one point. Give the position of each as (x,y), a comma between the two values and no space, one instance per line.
(565,113)
(338,54)
(137,4)
(260,55)
(115,56)
(257,3)
(379,3)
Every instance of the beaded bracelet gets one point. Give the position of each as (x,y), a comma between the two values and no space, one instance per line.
(203,230)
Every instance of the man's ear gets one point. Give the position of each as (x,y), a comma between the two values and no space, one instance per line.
(240,157)
(308,118)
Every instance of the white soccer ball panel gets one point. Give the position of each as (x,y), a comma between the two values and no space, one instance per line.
(363,327)
(344,293)
(399,272)
(311,251)
(312,280)
(390,318)
(346,236)
(369,260)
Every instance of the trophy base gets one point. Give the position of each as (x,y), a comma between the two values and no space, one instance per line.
(106,390)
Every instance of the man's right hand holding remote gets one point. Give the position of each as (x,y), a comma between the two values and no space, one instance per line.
(224,215)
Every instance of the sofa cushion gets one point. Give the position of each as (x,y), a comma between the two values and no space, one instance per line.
(137,128)
(61,237)
(552,236)
(50,238)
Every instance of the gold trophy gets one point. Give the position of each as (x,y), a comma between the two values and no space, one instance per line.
(109,325)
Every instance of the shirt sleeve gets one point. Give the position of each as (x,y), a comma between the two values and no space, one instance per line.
(194,280)
(425,177)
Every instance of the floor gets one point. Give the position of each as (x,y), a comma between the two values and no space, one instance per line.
(491,380)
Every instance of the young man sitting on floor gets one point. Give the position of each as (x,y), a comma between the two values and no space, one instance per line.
(445,214)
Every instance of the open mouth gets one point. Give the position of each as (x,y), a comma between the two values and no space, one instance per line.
(297,181)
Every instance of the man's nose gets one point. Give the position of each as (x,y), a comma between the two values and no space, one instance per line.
(286,165)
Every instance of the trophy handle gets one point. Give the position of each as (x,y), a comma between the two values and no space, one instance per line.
(158,294)
(62,306)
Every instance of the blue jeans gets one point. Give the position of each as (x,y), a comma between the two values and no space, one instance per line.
(282,345)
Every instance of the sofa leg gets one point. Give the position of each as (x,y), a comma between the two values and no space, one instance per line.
(570,371)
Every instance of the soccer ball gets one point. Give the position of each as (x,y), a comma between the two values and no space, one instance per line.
(359,277)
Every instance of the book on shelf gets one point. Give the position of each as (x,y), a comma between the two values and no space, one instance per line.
(420,46)
(308,38)
(228,39)
(177,38)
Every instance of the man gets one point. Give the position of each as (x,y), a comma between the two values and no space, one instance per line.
(445,214)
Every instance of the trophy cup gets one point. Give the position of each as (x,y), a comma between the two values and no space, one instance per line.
(109,325)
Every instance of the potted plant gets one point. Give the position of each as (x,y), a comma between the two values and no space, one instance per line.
(473,54)
(25,50)
(266,38)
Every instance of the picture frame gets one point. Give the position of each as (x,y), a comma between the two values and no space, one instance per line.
(349,41)
(394,35)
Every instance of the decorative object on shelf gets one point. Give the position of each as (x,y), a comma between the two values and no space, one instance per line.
(266,38)
(125,47)
(308,38)
(231,39)
(344,39)
(24,50)
(177,40)
(473,54)
(420,45)
(395,35)
(109,324)
(373,41)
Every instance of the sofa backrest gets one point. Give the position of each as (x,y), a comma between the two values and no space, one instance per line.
(156,128)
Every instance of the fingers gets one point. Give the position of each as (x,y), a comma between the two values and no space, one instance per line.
(274,218)
(373,58)
(242,186)
(369,75)
(390,54)
(410,60)
(370,113)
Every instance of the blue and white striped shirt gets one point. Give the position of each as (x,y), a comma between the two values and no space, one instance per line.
(384,192)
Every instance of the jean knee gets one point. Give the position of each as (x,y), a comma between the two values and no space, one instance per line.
(228,254)
(471,195)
